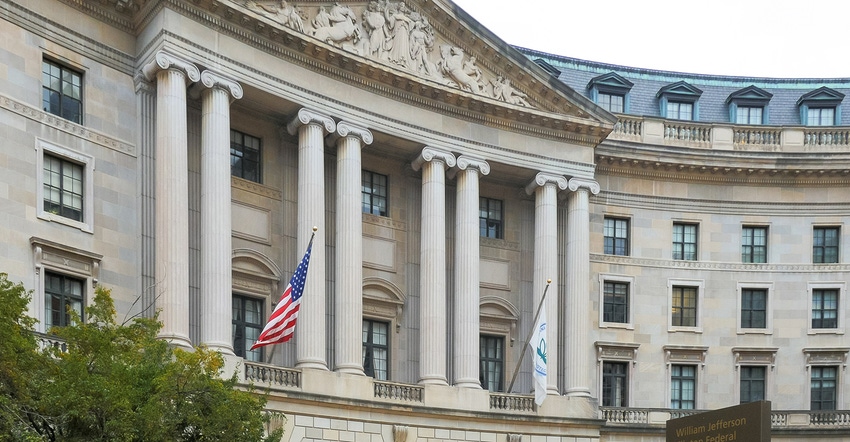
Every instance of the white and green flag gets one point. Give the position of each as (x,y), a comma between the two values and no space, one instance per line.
(538,347)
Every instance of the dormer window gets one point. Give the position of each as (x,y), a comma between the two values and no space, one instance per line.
(611,92)
(820,107)
(749,106)
(679,101)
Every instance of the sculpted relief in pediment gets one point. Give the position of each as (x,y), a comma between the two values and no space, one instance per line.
(393,34)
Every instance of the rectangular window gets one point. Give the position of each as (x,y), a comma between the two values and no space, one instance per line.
(825,308)
(490,218)
(63,294)
(615,384)
(749,115)
(616,235)
(611,102)
(684,307)
(683,380)
(245,156)
(753,308)
(246,327)
(754,244)
(825,245)
(752,383)
(63,187)
(824,388)
(616,302)
(374,193)
(376,349)
(685,241)
(492,349)
(680,111)
(821,116)
(62,91)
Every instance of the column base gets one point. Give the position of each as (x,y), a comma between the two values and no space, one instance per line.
(221,348)
(315,365)
(177,341)
(350,369)
(433,380)
(467,383)
(577,392)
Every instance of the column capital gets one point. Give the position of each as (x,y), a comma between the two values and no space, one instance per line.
(577,183)
(432,153)
(543,178)
(212,79)
(466,161)
(346,129)
(310,116)
(163,60)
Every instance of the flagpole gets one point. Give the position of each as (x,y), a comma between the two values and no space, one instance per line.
(271,353)
(530,333)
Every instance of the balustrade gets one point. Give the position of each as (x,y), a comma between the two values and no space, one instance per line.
(272,375)
(511,402)
(757,136)
(687,132)
(627,127)
(402,392)
(798,420)
(827,137)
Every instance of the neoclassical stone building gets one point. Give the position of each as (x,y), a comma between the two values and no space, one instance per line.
(690,228)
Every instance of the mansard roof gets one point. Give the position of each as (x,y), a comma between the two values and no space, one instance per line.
(680,89)
(750,94)
(822,96)
(611,80)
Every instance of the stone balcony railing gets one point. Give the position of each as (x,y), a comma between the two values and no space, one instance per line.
(720,136)
(779,419)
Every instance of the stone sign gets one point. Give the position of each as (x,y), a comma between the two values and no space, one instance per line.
(746,422)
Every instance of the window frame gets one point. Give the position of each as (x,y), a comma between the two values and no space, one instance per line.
(63,68)
(484,228)
(64,299)
(741,381)
(616,352)
(605,99)
(837,246)
(372,196)
(826,357)
(750,257)
(682,243)
(236,323)
(820,120)
(50,256)
(365,346)
(768,288)
(840,311)
(611,84)
(673,378)
(87,163)
(699,287)
(748,110)
(679,93)
(626,239)
(241,147)
(755,357)
(835,388)
(618,279)
(678,110)
(483,361)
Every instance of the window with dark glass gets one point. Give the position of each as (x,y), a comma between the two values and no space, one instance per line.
(754,244)
(749,115)
(616,236)
(615,386)
(684,310)
(824,388)
(490,218)
(616,302)
(752,383)
(685,241)
(376,349)
(62,91)
(245,156)
(63,294)
(683,379)
(753,308)
(246,327)
(611,102)
(373,189)
(63,187)
(825,245)
(825,308)
(680,111)
(492,349)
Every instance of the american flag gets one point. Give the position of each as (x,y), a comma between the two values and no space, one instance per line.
(281,325)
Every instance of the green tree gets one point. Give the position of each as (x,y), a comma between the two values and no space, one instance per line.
(115,382)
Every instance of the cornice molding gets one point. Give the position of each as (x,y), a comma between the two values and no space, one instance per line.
(654,202)
(718,266)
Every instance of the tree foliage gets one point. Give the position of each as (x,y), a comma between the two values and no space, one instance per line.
(115,382)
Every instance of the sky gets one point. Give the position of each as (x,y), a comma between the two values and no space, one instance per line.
(749,38)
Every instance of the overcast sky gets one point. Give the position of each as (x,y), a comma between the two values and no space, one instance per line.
(759,38)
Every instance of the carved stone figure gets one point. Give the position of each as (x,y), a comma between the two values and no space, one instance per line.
(342,26)
(452,66)
(322,19)
(421,42)
(373,23)
(282,12)
(398,27)
(502,90)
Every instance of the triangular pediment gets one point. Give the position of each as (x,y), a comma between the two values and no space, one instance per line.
(610,81)
(821,96)
(680,89)
(750,94)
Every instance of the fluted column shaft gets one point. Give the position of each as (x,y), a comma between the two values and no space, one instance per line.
(216,249)
(310,331)
(432,265)
(467,273)
(545,188)
(172,194)
(578,285)
(348,277)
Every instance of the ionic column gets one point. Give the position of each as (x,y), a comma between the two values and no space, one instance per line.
(578,285)
(545,188)
(467,273)
(348,274)
(216,250)
(310,336)
(172,75)
(432,265)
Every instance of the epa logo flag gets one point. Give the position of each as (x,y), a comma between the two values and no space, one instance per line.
(538,347)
